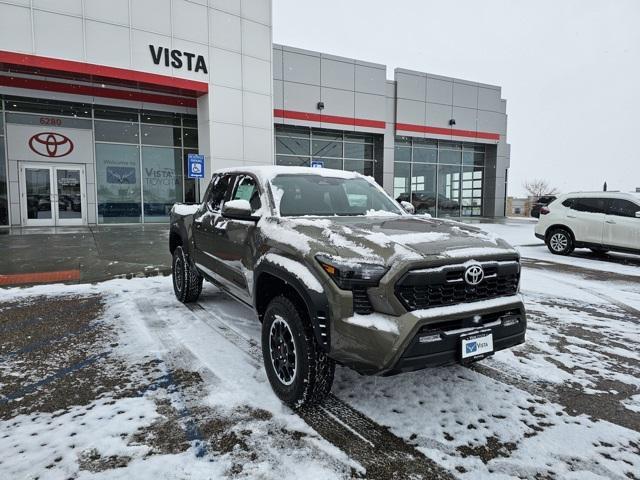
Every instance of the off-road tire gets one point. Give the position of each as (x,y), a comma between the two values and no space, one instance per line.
(187,282)
(560,242)
(314,369)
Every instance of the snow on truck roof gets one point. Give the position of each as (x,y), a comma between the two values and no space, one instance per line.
(268,172)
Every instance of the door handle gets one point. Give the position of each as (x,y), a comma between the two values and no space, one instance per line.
(571,216)
(611,222)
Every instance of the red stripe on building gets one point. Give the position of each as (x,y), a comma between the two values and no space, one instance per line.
(40,277)
(75,89)
(91,70)
(319,117)
(407,127)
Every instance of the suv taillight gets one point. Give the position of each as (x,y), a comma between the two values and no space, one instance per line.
(544,211)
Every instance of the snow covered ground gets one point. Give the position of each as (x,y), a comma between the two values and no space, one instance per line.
(119,380)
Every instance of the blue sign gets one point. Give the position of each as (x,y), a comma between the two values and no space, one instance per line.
(317,164)
(196,165)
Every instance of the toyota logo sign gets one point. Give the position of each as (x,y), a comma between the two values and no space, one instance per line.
(473,275)
(51,144)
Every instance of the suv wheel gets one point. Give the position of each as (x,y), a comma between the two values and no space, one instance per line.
(559,242)
(299,372)
(187,282)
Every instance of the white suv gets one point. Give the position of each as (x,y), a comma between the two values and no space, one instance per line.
(601,221)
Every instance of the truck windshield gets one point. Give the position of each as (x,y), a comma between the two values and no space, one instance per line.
(298,195)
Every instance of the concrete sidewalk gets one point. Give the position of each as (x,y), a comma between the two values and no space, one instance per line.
(83,254)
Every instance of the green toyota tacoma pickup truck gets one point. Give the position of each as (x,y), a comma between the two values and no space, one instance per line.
(338,272)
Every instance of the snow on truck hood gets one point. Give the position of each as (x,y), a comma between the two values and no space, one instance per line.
(384,240)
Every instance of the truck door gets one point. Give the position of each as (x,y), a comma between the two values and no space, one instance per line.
(234,244)
(204,226)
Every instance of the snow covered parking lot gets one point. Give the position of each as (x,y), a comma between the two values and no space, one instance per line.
(119,380)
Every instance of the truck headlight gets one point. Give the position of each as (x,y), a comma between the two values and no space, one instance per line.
(347,274)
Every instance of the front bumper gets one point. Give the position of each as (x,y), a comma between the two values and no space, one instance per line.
(540,236)
(387,345)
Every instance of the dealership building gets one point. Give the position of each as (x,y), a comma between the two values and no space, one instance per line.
(102,103)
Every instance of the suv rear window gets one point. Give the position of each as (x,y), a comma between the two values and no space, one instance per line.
(622,208)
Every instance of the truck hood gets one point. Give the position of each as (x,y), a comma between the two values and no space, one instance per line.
(387,239)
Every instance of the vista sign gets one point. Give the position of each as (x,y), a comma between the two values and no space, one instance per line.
(178,59)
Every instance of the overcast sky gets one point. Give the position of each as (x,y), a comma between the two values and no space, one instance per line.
(569,70)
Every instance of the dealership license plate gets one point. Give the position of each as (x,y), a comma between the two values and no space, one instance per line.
(477,345)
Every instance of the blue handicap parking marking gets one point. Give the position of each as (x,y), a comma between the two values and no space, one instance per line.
(196,166)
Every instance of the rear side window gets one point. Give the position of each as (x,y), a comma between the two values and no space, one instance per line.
(589,205)
(218,193)
(622,208)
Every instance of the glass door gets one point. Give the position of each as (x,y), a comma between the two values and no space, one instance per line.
(53,195)
(37,196)
(69,193)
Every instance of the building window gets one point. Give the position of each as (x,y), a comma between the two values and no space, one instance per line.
(299,146)
(160,184)
(438,177)
(154,148)
(118,183)
(4,201)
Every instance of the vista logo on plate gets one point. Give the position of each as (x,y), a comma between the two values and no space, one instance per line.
(51,144)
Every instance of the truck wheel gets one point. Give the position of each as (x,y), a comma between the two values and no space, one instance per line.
(299,372)
(559,242)
(187,282)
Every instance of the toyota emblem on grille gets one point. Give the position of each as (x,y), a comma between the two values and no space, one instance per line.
(473,275)
(51,144)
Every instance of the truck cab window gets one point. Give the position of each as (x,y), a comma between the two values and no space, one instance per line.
(246,189)
(218,192)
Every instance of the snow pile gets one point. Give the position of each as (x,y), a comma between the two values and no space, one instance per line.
(632,403)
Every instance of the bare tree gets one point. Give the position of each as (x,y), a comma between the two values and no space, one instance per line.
(538,188)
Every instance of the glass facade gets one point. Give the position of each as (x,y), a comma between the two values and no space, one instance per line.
(4,200)
(442,178)
(299,146)
(141,158)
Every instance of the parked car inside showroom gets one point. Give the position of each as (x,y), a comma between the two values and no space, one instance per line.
(600,221)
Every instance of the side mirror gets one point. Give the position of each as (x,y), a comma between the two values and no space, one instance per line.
(238,210)
(408,207)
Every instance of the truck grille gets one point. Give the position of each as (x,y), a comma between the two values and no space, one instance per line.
(436,287)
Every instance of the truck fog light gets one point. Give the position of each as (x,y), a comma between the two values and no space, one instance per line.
(429,338)
(510,321)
